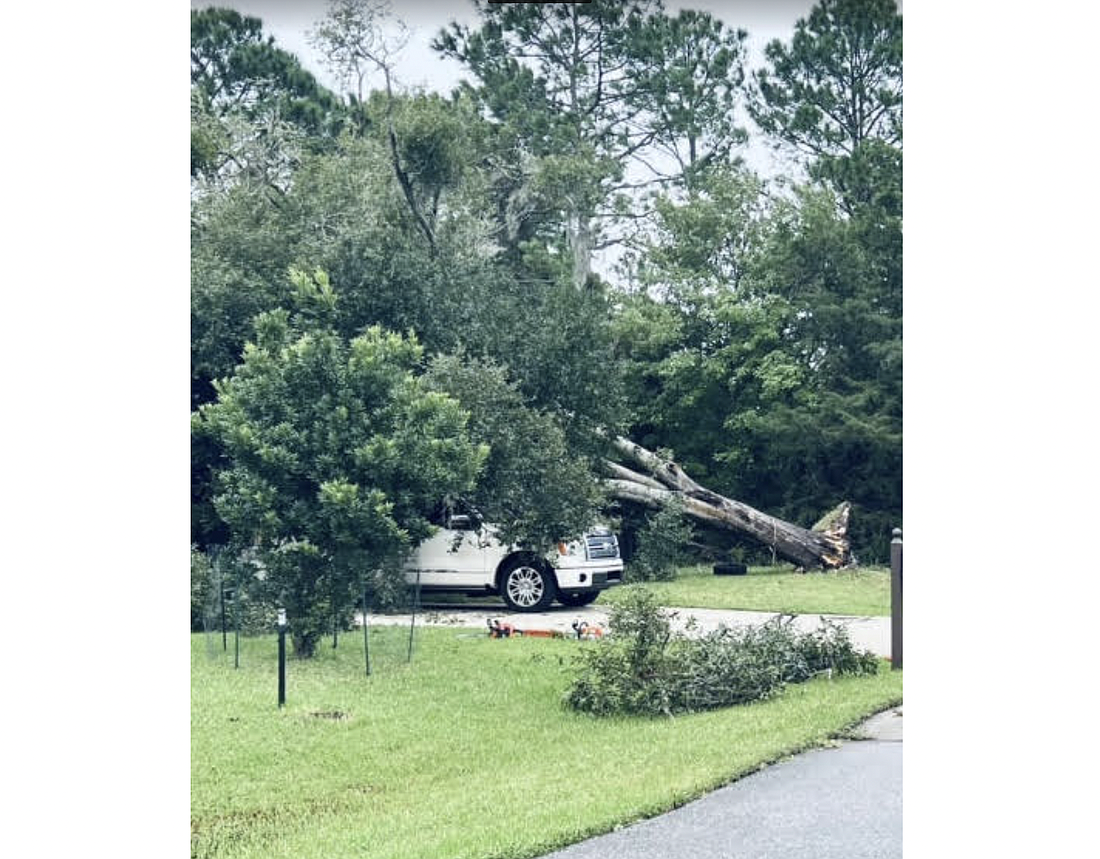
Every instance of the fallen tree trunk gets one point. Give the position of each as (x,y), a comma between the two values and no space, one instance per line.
(826,545)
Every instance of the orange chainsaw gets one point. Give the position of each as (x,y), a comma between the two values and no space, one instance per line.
(581,628)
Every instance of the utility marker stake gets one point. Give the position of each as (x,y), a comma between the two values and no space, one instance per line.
(237,630)
(282,657)
(221,591)
(366,629)
(412,624)
(895,601)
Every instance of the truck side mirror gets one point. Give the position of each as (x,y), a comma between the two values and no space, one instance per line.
(461,523)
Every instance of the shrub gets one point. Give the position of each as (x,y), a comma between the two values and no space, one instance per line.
(643,668)
(247,605)
(829,648)
(662,544)
(632,671)
(200,587)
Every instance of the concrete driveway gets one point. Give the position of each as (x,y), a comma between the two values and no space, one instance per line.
(868,633)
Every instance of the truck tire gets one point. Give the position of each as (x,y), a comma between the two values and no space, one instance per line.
(578,599)
(527,585)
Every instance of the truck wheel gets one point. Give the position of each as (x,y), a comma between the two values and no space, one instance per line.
(578,599)
(527,585)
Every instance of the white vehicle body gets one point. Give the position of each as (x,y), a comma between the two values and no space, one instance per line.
(468,558)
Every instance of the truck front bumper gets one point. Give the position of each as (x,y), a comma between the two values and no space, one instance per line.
(590,577)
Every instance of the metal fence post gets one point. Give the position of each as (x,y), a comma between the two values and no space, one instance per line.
(237,625)
(282,657)
(366,629)
(895,600)
(221,590)
(412,625)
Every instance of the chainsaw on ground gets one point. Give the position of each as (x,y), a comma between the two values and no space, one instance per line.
(582,630)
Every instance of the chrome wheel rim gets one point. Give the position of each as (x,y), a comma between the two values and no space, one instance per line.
(525,587)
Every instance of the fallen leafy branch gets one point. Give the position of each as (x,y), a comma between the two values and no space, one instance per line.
(645,669)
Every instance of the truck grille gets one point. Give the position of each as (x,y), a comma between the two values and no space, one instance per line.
(601,546)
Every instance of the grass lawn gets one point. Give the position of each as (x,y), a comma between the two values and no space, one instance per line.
(864,591)
(467,752)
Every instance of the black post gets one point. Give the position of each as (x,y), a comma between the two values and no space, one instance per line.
(237,625)
(366,630)
(282,657)
(221,590)
(334,615)
(412,625)
(895,600)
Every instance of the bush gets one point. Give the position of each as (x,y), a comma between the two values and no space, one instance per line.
(662,545)
(200,587)
(630,672)
(246,603)
(829,649)
(643,668)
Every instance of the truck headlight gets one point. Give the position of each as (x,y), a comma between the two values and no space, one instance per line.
(570,549)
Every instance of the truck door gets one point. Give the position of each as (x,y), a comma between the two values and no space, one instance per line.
(454,557)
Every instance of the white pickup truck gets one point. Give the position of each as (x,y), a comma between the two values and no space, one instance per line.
(465,556)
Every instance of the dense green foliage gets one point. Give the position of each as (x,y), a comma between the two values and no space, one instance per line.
(534,489)
(201,588)
(754,328)
(252,103)
(660,546)
(771,362)
(764,343)
(838,84)
(336,454)
(579,94)
(645,668)
(395,778)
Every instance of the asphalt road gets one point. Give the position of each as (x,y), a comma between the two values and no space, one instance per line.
(839,803)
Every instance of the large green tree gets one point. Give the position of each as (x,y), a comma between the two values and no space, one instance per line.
(766,351)
(536,487)
(838,83)
(582,93)
(334,453)
(834,94)
(346,213)
(687,74)
(553,76)
(253,106)
(235,66)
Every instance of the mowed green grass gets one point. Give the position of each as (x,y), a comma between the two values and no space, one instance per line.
(863,591)
(467,752)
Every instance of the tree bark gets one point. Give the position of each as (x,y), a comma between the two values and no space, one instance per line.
(624,473)
(305,643)
(580,243)
(826,545)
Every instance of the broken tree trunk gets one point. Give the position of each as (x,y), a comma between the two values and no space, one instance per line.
(825,545)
